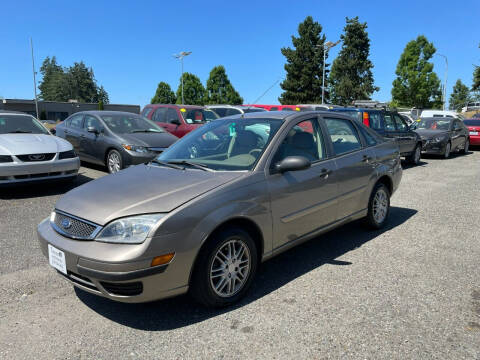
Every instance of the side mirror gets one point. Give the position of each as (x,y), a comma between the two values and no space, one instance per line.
(413,126)
(53,131)
(293,163)
(175,122)
(93,129)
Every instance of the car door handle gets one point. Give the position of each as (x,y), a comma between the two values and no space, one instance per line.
(65,131)
(325,172)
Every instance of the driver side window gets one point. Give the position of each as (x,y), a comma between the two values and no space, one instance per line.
(171,115)
(304,139)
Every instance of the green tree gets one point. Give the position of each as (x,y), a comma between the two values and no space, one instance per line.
(351,75)
(193,90)
(416,84)
(53,84)
(164,94)
(81,83)
(102,96)
(100,105)
(303,82)
(476,79)
(460,96)
(219,88)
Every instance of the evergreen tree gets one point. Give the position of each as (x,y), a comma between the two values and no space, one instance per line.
(53,84)
(164,94)
(416,83)
(219,88)
(460,96)
(102,96)
(303,82)
(100,105)
(351,75)
(193,90)
(81,83)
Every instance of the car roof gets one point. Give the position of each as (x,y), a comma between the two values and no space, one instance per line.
(10,112)
(176,106)
(104,112)
(281,115)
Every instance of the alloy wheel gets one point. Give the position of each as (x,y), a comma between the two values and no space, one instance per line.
(380,206)
(114,162)
(230,268)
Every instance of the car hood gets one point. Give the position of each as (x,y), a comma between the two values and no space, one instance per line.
(150,139)
(140,189)
(19,144)
(427,134)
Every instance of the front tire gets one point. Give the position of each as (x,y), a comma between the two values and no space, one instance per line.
(225,268)
(414,158)
(378,207)
(114,161)
(448,149)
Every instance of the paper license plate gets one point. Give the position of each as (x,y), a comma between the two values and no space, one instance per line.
(473,132)
(56,258)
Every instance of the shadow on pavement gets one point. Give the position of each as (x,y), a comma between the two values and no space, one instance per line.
(406,165)
(183,311)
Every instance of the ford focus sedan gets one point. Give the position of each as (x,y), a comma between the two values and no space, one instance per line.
(204,214)
(28,152)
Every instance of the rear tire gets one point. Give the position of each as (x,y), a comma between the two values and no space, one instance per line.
(378,207)
(414,158)
(219,279)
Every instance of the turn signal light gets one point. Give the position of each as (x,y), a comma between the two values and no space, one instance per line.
(162,259)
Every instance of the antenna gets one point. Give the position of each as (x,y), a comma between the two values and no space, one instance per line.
(263,94)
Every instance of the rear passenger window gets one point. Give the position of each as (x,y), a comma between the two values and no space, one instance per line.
(146,111)
(343,135)
(232,112)
(76,121)
(375,120)
(368,137)
(400,124)
(220,111)
(389,124)
(159,115)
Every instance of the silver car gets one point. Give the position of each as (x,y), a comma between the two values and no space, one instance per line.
(29,152)
(204,214)
(228,110)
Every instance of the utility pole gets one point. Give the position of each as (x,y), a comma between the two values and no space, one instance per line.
(34,79)
(444,94)
(180,56)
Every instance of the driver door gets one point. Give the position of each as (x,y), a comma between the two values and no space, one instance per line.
(306,200)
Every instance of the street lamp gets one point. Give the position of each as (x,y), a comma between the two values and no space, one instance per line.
(180,56)
(326,46)
(445,82)
(34,80)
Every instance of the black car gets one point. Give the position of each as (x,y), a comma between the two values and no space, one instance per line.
(442,135)
(389,124)
(113,138)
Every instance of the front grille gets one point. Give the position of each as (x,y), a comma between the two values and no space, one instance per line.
(73,227)
(36,157)
(123,289)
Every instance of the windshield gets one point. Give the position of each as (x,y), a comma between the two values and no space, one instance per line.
(130,123)
(434,124)
(198,115)
(230,144)
(18,124)
(472,122)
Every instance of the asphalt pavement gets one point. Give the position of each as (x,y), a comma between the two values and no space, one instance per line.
(409,291)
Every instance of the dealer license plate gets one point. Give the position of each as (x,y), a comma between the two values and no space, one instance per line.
(56,258)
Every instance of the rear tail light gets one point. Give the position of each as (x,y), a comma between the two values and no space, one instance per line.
(366,119)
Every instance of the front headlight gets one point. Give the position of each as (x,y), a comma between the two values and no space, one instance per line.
(129,230)
(438,139)
(139,149)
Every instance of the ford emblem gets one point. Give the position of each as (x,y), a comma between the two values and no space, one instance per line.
(66,224)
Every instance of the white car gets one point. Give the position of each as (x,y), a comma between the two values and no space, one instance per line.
(28,151)
(228,110)
(440,113)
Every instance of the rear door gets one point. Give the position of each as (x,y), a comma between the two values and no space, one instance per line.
(160,117)
(302,201)
(74,131)
(458,134)
(355,165)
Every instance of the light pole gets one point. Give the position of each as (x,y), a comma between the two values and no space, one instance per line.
(445,82)
(34,79)
(180,56)
(326,46)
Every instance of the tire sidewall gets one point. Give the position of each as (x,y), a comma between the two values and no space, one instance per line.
(371,218)
(445,155)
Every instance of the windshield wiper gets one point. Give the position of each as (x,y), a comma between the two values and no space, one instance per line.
(19,132)
(163,163)
(192,164)
(144,130)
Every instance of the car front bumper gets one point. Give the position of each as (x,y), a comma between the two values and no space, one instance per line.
(43,170)
(134,158)
(120,272)
(429,147)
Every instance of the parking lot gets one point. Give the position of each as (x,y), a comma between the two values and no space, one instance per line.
(411,290)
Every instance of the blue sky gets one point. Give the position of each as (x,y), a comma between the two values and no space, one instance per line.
(130,44)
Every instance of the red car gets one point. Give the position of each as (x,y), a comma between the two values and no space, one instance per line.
(473,126)
(276,107)
(178,120)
